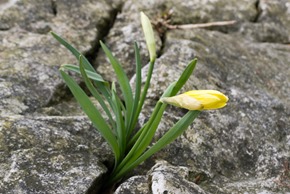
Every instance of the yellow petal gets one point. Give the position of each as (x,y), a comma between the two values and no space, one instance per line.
(183,101)
(210,99)
(198,100)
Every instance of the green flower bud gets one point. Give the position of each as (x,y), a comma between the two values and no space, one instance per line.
(149,36)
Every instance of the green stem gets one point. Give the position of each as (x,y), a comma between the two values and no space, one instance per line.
(167,138)
(143,96)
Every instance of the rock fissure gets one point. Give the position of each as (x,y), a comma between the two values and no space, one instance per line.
(54,7)
(91,54)
(259,11)
(61,95)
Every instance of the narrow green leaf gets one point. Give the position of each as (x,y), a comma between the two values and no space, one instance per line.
(173,132)
(184,77)
(93,113)
(91,74)
(138,80)
(147,131)
(103,88)
(146,86)
(123,82)
(167,138)
(152,127)
(93,91)
(120,126)
(74,51)
(147,134)
(167,93)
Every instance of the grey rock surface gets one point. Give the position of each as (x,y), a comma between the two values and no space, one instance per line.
(161,178)
(247,139)
(271,23)
(135,184)
(120,39)
(49,155)
(48,146)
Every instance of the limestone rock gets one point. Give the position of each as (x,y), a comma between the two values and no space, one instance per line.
(127,30)
(49,154)
(170,179)
(271,23)
(162,178)
(135,184)
(246,139)
(41,153)
(29,59)
(120,40)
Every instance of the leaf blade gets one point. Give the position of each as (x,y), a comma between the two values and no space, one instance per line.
(73,50)
(92,75)
(91,111)
(123,82)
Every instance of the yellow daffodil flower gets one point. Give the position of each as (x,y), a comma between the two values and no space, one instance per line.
(198,100)
(149,36)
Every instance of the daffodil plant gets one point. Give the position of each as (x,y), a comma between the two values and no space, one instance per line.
(121,111)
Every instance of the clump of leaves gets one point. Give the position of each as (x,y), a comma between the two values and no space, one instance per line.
(130,147)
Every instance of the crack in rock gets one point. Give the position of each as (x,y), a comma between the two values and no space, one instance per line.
(54,7)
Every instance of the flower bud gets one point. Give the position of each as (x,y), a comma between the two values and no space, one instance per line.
(149,36)
(198,100)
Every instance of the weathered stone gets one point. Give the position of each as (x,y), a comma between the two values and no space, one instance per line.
(120,40)
(247,138)
(29,71)
(271,24)
(24,13)
(127,30)
(41,154)
(162,178)
(49,154)
(170,179)
(135,184)
(29,61)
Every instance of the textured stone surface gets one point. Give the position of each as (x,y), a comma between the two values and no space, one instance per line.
(61,153)
(248,138)
(271,23)
(49,154)
(47,145)
(29,59)
(171,179)
(135,184)
(162,178)
(125,31)
(29,79)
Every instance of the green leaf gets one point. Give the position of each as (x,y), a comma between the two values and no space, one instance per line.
(120,128)
(138,80)
(147,133)
(74,51)
(91,74)
(167,138)
(123,82)
(93,113)
(93,91)
(146,86)
(184,77)
(103,88)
